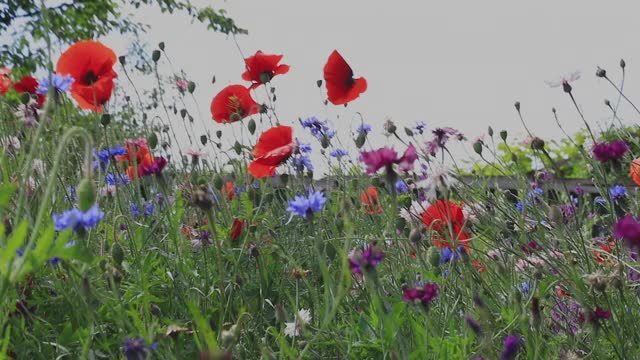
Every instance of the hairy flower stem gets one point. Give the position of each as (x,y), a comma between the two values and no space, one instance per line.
(221,272)
(622,94)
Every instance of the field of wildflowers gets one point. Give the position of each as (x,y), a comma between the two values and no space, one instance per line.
(121,240)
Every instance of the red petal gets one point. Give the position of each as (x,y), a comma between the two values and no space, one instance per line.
(232,104)
(341,86)
(259,170)
(274,138)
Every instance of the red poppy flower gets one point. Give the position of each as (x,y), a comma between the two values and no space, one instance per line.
(370,199)
(447,219)
(91,65)
(5,81)
(27,84)
(229,190)
(341,86)
(236,229)
(232,104)
(274,147)
(634,171)
(261,68)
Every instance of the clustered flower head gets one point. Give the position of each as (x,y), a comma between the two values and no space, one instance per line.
(440,138)
(423,295)
(611,151)
(386,157)
(305,206)
(136,348)
(76,219)
(628,228)
(319,129)
(510,347)
(365,259)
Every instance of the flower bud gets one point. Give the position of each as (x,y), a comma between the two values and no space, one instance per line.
(490,131)
(319,83)
(202,199)
(122,59)
(161,45)
(600,72)
(237,147)
(477,147)
(155,56)
(607,103)
(203,139)
(105,120)
(191,87)
(153,140)
(517,105)
(537,143)
(623,64)
(503,135)
(251,126)
(86,195)
(415,236)
(117,254)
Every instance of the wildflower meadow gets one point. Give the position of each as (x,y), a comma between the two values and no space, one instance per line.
(127,233)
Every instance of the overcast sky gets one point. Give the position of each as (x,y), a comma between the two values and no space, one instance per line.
(449,63)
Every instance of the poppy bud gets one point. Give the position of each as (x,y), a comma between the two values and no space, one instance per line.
(537,143)
(218,134)
(161,45)
(122,59)
(153,140)
(408,131)
(319,83)
(607,103)
(623,64)
(490,131)
(155,55)
(415,236)
(86,194)
(477,147)
(600,72)
(251,126)
(503,135)
(360,140)
(105,120)
(183,113)
(237,147)
(213,80)
(117,254)
(217,182)
(400,223)
(25,98)
(553,110)
(433,256)
(203,139)
(517,105)
(191,87)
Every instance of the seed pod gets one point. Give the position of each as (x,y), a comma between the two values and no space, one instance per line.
(490,131)
(155,56)
(117,254)
(537,143)
(191,87)
(161,45)
(122,59)
(153,140)
(477,147)
(203,139)
(105,120)
(503,135)
(251,126)
(237,147)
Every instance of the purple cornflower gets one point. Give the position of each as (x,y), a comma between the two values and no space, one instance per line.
(364,128)
(365,259)
(301,162)
(628,228)
(612,151)
(136,349)
(473,325)
(510,347)
(302,147)
(76,219)
(155,168)
(440,138)
(135,210)
(148,209)
(420,126)
(617,192)
(566,316)
(423,295)
(119,179)
(387,157)
(305,206)
(60,84)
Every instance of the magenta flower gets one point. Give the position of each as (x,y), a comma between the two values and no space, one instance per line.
(598,315)
(365,259)
(424,295)
(155,168)
(387,157)
(510,347)
(628,229)
(440,138)
(612,151)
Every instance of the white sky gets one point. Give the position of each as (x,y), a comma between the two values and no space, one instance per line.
(449,63)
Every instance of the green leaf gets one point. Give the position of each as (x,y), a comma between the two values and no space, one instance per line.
(6,192)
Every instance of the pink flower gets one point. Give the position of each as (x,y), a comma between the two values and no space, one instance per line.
(182,84)
(387,157)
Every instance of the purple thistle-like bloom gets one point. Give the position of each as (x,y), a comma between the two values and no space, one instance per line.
(387,157)
(305,206)
(365,259)
(424,295)
(440,138)
(155,168)
(566,316)
(136,349)
(473,325)
(628,229)
(612,151)
(510,347)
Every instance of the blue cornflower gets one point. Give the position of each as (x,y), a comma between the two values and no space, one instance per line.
(136,349)
(71,195)
(76,219)
(420,126)
(401,187)
(617,192)
(305,206)
(60,84)
(120,179)
(364,128)
(135,210)
(338,153)
(148,209)
(318,128)
(20,252)
(303,148)
(118,151)
(104,157)
(600,200)
(524,288)
(301,162)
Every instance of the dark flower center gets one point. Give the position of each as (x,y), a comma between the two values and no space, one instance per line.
(90,78)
